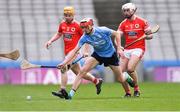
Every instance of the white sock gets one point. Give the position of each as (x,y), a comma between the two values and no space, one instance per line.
(71,93)
(126,75)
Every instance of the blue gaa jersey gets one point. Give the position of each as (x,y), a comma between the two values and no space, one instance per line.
(101,41)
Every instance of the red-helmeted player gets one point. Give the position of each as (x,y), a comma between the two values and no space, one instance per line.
(71,32)
(133,27)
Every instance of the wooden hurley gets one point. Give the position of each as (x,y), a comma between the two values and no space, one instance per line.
(14,55)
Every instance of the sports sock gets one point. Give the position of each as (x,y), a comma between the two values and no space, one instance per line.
(72,92)
(95,81)
(128,92)
(127,77)
(136,88)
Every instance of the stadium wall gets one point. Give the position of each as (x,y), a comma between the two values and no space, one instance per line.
(11,73)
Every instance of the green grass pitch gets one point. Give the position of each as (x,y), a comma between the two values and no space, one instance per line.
(154,97)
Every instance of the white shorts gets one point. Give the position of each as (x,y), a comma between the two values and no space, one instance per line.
(137,51)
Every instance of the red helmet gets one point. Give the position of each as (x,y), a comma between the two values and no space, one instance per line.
(86,22)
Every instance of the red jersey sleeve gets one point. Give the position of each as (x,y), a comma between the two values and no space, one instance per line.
(146,26)
(121,27)
(60,28)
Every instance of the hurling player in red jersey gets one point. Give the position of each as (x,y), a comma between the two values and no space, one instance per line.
(71,32)
(133,27)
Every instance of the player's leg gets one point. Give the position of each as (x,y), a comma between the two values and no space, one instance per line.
(64,80)
(124,63)
(119,76)
(118,73)
(97,81)
(62,93)
(129,80)
(89,64)
(76,68)
(132,64)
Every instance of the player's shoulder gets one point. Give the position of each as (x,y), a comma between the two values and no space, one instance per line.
(62,22)
(100,28)
(103,29)
(76,22)
(140,18)
(84,35)
(123,22)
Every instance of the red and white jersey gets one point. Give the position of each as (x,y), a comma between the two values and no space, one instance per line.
(71,35)
(134,29)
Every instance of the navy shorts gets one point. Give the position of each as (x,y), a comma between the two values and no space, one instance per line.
(113,60)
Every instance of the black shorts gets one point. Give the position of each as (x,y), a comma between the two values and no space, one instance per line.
(113,60)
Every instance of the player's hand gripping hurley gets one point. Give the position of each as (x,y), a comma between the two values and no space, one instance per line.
(14,55)
(27,65)
(153,30)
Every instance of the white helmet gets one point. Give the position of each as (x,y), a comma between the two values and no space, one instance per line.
(130,6)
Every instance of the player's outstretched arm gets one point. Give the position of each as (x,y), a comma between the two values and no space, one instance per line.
(85,51)
(70,57)
(54,38)
(116,34)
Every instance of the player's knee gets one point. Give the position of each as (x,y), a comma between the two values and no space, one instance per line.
(120,80)
(64,70)
(130,71)
(76,71)
(83,72)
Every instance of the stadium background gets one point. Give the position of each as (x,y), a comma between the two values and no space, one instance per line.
(27,24)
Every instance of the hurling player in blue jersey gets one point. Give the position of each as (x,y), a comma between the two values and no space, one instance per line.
(100,38)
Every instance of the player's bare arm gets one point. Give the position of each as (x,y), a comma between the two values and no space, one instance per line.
(54,38)
(148,34)
(116,35)
(86,50)
(69,58)
(120,34)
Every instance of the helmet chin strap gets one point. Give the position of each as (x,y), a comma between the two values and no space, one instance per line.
(129,17)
